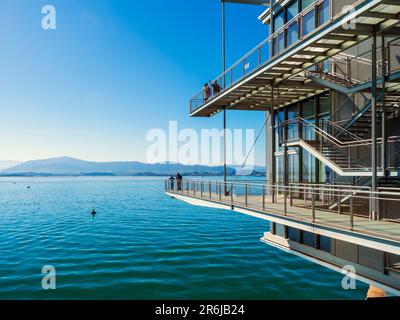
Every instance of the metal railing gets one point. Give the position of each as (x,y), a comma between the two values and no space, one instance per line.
(304,201)
(264,53)
(326,138)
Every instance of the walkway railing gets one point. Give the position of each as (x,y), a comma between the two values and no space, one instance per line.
(265,51)
(303,201)
(335,143)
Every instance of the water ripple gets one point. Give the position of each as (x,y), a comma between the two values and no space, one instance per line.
(142,245)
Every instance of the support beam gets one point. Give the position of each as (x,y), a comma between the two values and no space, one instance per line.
(384,130)
(224,84)
(374,124)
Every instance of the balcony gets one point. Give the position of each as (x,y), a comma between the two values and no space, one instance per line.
(281,60)
(308,206)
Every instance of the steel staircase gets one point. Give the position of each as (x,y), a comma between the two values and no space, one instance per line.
(334,153)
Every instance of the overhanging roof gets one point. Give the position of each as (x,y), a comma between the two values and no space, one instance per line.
(286,69)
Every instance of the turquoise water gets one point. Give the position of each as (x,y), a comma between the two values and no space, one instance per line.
(142,245)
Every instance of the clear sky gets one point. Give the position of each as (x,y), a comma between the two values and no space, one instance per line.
(111,71)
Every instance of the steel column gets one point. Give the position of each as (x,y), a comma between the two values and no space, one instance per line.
(373,129)
(384,130)
(224,85)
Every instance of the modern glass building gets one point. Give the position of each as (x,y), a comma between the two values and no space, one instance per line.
(327,82)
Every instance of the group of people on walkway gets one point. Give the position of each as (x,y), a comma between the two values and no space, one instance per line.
(178,179)
(207,92)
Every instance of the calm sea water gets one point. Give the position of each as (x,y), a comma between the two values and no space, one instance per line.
(142,245)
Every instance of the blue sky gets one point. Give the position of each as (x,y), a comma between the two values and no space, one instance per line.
(111,71)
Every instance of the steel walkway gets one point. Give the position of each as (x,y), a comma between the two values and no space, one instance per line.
(252,89)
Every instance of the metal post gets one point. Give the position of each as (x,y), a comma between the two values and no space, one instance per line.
(219,191)
(209,188)
(263,199)
(231,192)
(384,130)
(374,131)
(285,201)
(273,164)
(313,204)
(224,85)
(246,194)
(225,179)
(351,212)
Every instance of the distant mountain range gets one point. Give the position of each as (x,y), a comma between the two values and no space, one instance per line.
(8,164)
(66,166)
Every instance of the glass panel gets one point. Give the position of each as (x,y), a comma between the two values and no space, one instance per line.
(309,130)
(308,239)
(280,175)
(308,167)
(293,162)
(324,105)
(306,3)
(279,119)
(280,230)
(292,11)
(308,23)
(279,21)
(293,234)
(324,12)
(325,244)
(308,109)
(293,33)
(293,128)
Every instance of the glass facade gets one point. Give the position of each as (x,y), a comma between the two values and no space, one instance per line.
(288,15)
(302,166)
(293,28)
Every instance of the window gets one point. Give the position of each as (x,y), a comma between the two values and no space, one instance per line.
(293,127)
(293,234)
(280,230)
(309,167)
(279,40)
(324,105)
(323,12)
(293,28)
(308,239)
(308,23)
(306,3)
(293,163)
(324,244)
(280,172)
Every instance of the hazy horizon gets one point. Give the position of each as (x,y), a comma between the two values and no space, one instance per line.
(94,96)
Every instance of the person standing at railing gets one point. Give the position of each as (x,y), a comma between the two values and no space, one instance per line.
(328,175)
(172,183)
(206,92)
(178,182)
(216,88)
